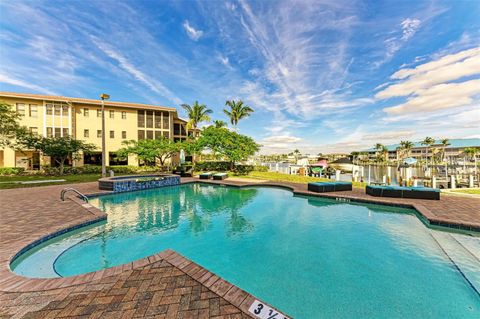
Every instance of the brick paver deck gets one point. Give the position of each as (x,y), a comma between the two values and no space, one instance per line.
(165,285)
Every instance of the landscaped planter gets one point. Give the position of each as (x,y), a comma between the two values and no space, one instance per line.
(137,182)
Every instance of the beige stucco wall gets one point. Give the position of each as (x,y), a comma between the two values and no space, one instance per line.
(78,122)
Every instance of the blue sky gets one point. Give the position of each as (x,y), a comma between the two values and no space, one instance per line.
(322,76)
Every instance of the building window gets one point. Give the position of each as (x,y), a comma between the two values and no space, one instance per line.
(112,114)
(141,118)
(124,134)
(124,115)
(166,121)
(158,135)
(176,129)
(99,113)
(57,109)
(86,133)
(166,134)
(85,112)
(112,134)
(33,110)
(49,132)
(150,119)
(34,131)
(150,135)
(58,132)
(65,109)
(21,109)
(65,132)
(49,109)
(158,119)
(99,133)
(141,134)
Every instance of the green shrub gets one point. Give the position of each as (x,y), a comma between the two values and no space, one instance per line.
(212,166)
(4,171)
(225,166)
(260,168)
(95,169)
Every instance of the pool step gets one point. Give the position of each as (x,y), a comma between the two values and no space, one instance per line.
(463,252)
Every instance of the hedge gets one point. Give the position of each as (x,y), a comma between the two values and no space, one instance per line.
(94,169)
(225,166)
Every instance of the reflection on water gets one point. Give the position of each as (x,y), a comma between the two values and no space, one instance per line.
(163,210)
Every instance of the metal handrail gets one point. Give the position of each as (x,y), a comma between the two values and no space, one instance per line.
(65,190)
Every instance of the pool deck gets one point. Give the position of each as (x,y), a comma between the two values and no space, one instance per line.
(165,285)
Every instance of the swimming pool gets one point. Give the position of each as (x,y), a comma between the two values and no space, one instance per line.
(308,256)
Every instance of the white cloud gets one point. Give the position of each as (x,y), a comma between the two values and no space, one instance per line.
(192,32)
(438,97)
(389,136)
(440,84)
(452,60)
(17,82)
(281,139)
(291,79)
(152,84)
(409,27)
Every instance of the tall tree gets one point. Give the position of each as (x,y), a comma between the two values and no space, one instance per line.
(9,126)
(428,142)
(405,148)
(196,113)
(151,151)
(238,110)
(58,148)
(232,146)
(381,152)
(445,142)
(472,153)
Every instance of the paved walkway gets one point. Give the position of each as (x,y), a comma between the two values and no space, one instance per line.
(165,285)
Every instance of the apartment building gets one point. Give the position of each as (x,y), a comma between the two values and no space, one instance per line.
(82,119)
(454,149)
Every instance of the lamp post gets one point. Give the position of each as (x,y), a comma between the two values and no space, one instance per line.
(104,157)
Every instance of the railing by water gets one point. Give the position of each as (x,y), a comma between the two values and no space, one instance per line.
(65,190)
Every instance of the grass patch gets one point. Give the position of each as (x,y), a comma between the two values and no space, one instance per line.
(8,181)
(279,177)
(471,191)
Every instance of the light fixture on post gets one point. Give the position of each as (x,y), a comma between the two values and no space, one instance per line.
(104,158)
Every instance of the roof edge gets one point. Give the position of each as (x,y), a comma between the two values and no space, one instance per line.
(82,100)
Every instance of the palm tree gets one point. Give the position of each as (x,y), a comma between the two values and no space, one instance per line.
(382,152)
(428,141)
(295,153)
(237,111)
(472,153)
(445,142)
(405,148)
(196,113)
(219,123)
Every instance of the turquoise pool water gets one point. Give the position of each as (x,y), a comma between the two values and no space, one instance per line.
(310,257)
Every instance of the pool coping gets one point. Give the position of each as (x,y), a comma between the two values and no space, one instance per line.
(11,282)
